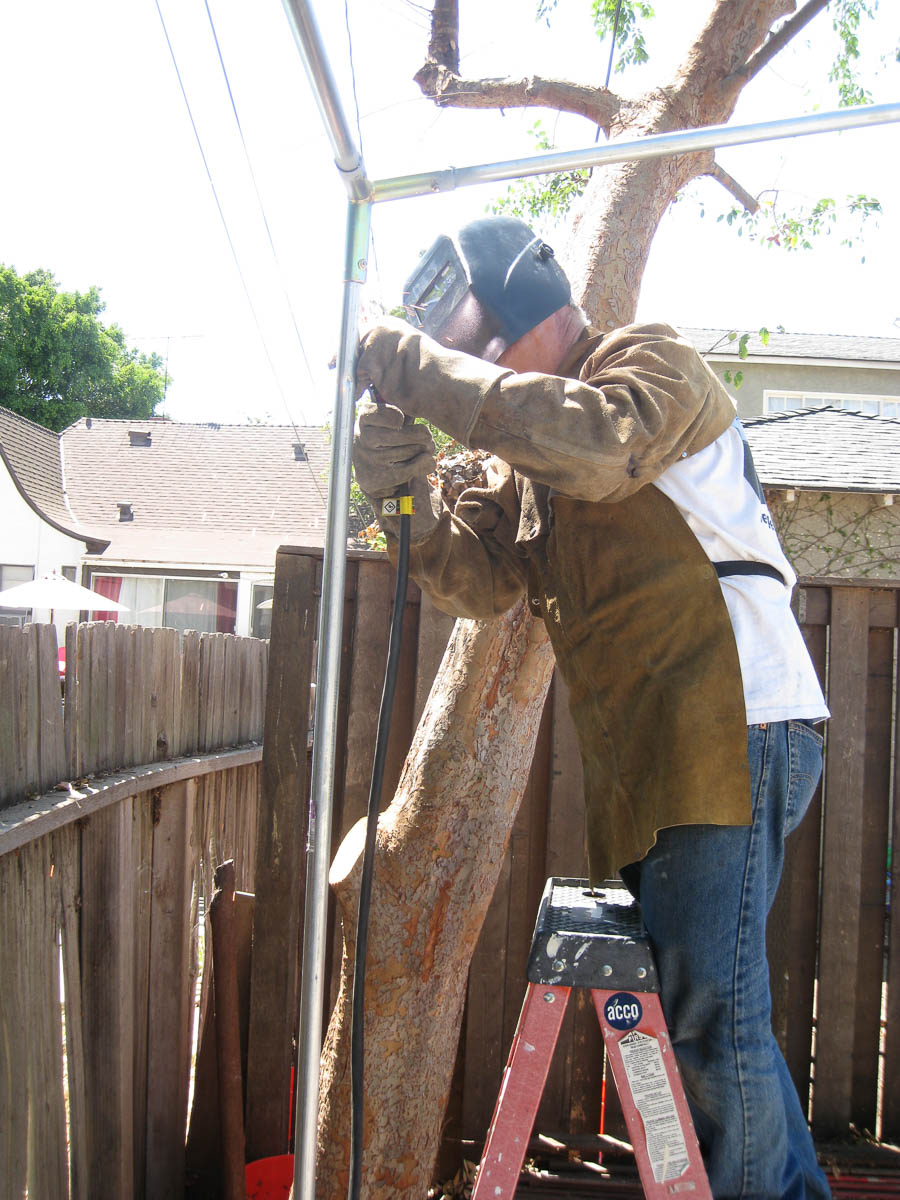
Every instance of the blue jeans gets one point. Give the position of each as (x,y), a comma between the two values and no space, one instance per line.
(705,892)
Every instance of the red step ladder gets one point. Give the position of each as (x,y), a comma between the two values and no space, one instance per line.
(596,939)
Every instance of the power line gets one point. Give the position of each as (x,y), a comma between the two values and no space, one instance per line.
(219,208)
(259,201)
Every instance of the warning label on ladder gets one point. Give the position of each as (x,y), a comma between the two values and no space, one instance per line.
(652,1094)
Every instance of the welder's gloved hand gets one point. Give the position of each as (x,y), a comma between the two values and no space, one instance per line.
(423,379)
(392,455)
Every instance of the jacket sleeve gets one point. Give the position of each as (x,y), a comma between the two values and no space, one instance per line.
(468,565)
(643,394)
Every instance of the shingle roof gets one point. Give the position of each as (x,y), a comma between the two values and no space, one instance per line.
(827,448)
(828,346)
(31,454)
(232,478)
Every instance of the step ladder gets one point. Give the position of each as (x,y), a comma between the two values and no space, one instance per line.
(595,939)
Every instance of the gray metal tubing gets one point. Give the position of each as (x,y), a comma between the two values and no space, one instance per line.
(347,155)
(659,145)
(327,677)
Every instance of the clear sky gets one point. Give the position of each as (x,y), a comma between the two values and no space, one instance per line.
(104,183)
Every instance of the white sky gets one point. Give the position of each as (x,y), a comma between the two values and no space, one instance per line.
(104,183)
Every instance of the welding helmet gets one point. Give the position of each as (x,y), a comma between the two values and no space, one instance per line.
(484,288)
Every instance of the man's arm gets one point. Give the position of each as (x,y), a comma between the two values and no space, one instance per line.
(644,396)
(467,564)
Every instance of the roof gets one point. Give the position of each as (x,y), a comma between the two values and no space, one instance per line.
(838,347)
(193,493)
(826,448)
(232,478)
(31,455)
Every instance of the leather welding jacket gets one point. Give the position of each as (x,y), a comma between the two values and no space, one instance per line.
(632,603)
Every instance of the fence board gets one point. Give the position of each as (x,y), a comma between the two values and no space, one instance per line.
(108,964)
(876,820)
(68,862)
(29,708)
(47,1159)
(232,690)
(842,861)
(279,841)
(8,791)
(168,1044)
(52,754)
(189,707)
(890,1130)
(13,1020)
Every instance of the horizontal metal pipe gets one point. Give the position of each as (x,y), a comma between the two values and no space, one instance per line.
(347,155)
(685,141)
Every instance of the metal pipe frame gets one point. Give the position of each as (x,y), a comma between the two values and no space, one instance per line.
(685,141)
(362,194)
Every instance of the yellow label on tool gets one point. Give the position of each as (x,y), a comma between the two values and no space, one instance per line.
(397,506)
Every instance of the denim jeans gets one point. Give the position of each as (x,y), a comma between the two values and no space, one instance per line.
(705,892)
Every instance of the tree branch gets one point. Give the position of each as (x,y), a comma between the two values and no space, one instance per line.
(440,80)
(446,88)
(443,46)
(731,185)
(777,41)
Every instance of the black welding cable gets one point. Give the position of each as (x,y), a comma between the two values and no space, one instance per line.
(368,868)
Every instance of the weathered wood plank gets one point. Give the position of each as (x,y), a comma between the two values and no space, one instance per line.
(121,643)
(232,691)
(24,823)
(876,821)
(7,720)
(890,1111)
(13,1020)
(281,829)
(169,998)
(842,862)
(52,752)
(29,710)
(565,857)
(143,809)
(68,862)
(189,708)
(107,963)
(47,1157)
(485,1051)
(793,923)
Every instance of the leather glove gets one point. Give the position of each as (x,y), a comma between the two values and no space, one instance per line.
(414,372)
(393,455)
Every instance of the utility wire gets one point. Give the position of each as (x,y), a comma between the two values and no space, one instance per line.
(259,201)
(219,208)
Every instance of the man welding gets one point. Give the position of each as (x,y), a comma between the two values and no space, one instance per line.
(623,502)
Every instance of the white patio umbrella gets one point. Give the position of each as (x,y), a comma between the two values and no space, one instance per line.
(55,592)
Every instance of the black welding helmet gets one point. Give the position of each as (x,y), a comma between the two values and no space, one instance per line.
(483,289)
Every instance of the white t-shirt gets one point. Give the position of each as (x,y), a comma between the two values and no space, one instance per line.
(718,494)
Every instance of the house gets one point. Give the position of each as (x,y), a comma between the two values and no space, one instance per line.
(805,370)
(832,481)
(179,522)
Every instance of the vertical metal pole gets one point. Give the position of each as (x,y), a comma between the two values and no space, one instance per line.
(331,608)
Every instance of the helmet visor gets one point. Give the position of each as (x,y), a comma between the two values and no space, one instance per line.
(438,301)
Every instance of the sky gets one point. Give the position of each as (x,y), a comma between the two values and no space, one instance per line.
(217,239)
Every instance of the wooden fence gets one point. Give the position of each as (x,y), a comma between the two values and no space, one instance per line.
(832,921)
(102,887)
(102,883)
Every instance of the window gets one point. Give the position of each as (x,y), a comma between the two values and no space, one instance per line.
(208,605)
(261,617)
(10,576)
(70,573)
(870,406)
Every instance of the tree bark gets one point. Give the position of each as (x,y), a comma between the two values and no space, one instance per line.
(441,845)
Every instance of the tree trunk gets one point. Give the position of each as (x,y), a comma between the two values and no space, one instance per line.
(441,845)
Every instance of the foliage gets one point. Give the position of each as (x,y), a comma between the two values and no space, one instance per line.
(796,229)
(59,362)
(552,196)
(850,536)
(621,15)
(846,15)
(542,196)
